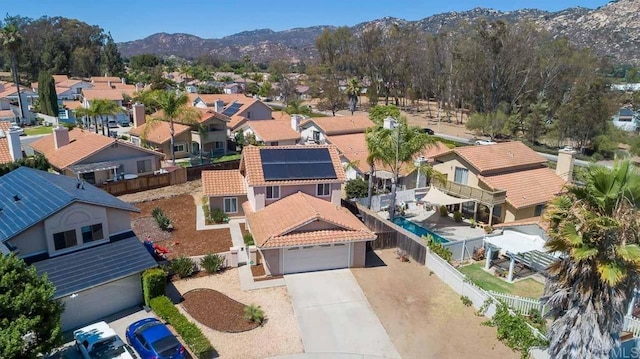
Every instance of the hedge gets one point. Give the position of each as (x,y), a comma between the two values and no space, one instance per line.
(153,284)
(190,333)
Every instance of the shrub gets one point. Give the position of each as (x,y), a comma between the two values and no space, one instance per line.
(190,333)
(163,221)
(488,229)
(357,188)
(444,211)
(205,208)
(153,284)
(457,216)
(466,301)
(513,331)
(254,313)
(472,223)
(248,239)
(438,248)
(218,216)
(183,266)
(212,263)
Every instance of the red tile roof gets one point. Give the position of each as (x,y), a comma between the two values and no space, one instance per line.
(273,130)
(223,183)
(5,155)
(106,94)
(526,188)
(159,132)
(340,125)
(500,157)
(294,213)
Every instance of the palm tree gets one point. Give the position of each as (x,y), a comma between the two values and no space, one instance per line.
(596,229)
(352,91)
(174,108)
(11,41)
(247,62)
(372,136)
(98,109)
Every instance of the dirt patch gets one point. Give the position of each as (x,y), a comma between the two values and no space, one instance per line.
(227,315)
(191,187)
(184,240)
(424,317)
(258,271)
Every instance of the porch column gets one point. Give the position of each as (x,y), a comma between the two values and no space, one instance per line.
(490,214)
(487,261)
(632,302)
(512,264)
(115,174)
(475,211)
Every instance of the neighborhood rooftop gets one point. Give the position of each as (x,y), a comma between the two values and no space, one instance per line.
(499,157)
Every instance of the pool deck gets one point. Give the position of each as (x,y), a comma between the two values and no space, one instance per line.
(444,226)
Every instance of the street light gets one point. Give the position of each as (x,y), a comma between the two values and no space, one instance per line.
(391,123)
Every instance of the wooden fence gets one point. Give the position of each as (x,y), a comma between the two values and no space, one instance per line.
(176,175)
(195,172)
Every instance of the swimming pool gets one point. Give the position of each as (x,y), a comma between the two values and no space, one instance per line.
(417,230)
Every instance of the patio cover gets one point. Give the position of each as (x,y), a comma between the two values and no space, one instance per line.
(92,167)
(516,242)
(435,196)
(382,174)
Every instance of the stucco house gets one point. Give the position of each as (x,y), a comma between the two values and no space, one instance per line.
(95,158)
(316,130)
(281,130)
(67,89)
(9,101)
(79,236)
(238,107)
(10,146)
(293,207)
(508,179)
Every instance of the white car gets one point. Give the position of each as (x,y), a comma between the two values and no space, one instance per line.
(17,128)
(485,142)
(100,341)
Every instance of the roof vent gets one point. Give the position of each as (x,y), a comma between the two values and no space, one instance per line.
(16,198)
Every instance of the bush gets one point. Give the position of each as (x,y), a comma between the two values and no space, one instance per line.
(444,211)
(438,248)
(190,333)
(212,263)
(357,188)
(457,216)
(218,216)
(183,266)
(466,301)
(513,331)
(153,284)
(254,313)
(488,229)
(248,239)
(205,208)
(163,221)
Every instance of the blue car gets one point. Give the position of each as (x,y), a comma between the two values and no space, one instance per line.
(153,340)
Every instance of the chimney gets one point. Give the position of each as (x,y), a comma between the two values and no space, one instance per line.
(219,105)
(15,149)
(60,136)
(123,80)
(138,115)
(564,166)
(295,122)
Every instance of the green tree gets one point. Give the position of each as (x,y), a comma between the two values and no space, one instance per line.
(112,64)
(174,108)
(596,228)
(296,107)
(246,60)
(47,97)
(11,41)
(353,91)
(83,62)
(100,109)
(265,89)
(490,123)
(144,62)
(356,188)
(30,321)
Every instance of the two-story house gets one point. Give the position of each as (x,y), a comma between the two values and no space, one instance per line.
(281,130)
(292,205)
(208,136)
(9,101)
(508,180)
(238,107)
(316,130)
(95,158)
(79,236)
(110,94)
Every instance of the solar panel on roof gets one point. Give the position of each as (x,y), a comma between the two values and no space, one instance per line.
(297,164)
(232,109)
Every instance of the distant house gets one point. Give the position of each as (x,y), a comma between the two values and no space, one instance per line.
(626,120)
(238,108)
(9,101)
(292,203)
(67,89)
(79,236)
(95,158)
(232,88)
(109,94)
(315,130)
(279,131)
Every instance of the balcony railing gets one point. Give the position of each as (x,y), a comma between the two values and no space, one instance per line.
(489,198)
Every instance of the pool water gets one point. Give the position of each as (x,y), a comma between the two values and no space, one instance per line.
(417,230)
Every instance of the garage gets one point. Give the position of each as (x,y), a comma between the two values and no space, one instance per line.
(315,258)
(91,305)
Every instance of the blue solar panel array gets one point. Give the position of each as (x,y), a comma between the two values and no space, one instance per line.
(232,109)
(74,272)
(28,196)
(297,164)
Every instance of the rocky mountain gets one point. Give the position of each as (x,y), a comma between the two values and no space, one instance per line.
(612,30)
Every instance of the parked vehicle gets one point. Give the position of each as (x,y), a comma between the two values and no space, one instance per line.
(152,339)
(99,341)
(112,124)
(428,131)
(17,128)
(485,142)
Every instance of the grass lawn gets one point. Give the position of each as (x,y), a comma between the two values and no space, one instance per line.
(487,281)
(38,130)
(226,158)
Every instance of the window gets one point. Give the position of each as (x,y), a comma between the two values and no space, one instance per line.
(539,209)
(323,189)
(89,177)
(273,143)
(179,147)
(64,240)
(231,205)
(273,192)
(136,141)
(461,175)
(316,136)
(218,145)
(249,114)
(92,233)
(144,166)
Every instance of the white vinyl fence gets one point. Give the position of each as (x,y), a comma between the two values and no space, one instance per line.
(521,304)
(631,325)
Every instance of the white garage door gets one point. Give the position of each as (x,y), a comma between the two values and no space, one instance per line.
(312,258)
(93,304)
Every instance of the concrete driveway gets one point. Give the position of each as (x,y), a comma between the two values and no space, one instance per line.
(335,317)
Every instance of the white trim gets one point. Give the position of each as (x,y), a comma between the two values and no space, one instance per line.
(184,145)
(323,195)
(266,196)
(224,204)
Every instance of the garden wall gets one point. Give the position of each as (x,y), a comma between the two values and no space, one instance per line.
(195,172)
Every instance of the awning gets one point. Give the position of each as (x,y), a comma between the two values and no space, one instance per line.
(435,196)
(92,167)
(516,242)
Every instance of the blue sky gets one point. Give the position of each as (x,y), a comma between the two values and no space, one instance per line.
(135,19)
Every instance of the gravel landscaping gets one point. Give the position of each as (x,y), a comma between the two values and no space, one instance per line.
(279,335)
(227,315)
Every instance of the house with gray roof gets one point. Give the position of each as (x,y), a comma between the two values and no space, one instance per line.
(79,236)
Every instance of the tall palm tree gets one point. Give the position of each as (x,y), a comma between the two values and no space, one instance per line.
(352,91)
(174,108)
(100,109)
(373,137)
(11,40)
(596,229)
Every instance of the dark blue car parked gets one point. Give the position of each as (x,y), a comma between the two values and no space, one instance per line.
(153,340)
